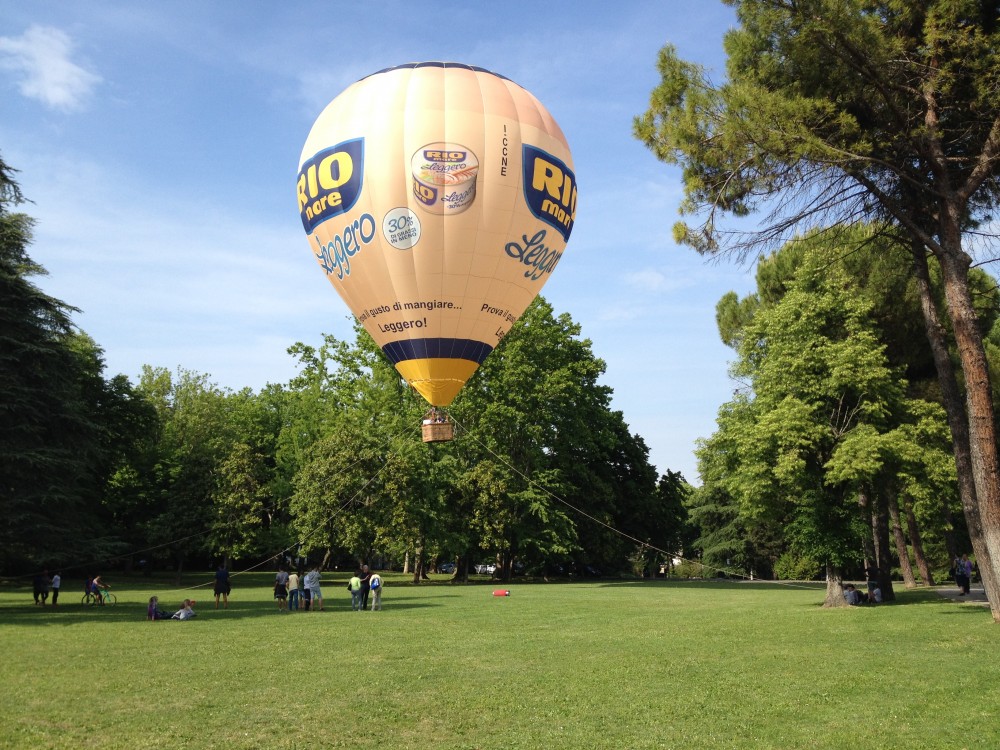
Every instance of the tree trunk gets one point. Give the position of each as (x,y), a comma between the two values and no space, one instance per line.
(834,588)
(180,567)
(950,543)
(406,562)
(918,545)
(880,536)
(958,421)
(979,402)
(418,563)
(461,569)
(901,552)
(871,557)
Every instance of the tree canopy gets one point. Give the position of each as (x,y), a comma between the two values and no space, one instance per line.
(839,112)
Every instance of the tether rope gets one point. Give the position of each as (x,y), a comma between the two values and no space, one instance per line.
(619,532)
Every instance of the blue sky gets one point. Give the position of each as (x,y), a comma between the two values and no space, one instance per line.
(159,144)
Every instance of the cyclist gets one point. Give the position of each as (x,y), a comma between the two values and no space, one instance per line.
(98,587)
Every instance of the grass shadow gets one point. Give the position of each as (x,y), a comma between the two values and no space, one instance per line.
(69,615)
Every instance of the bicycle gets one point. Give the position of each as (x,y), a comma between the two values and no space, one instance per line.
(90,598)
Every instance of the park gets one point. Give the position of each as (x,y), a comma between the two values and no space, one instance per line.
(597,664)
(731,485)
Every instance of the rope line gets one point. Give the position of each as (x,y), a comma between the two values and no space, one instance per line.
(619,532)
(321,524)
(210,529)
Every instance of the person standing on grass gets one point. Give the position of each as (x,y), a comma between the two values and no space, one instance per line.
(375,584)
(293,590)
(963,575)
(40,587)
(315,592)
(56,583)
(366,576)
(281,589)
(354,586)
(222,587)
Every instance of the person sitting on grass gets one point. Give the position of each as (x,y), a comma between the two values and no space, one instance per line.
(186,612)
(851,594)
(153,612)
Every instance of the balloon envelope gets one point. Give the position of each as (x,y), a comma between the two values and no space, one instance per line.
(438,198)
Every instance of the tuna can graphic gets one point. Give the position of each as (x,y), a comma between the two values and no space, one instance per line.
(444,177)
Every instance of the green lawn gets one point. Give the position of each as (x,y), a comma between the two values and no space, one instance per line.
(560,665)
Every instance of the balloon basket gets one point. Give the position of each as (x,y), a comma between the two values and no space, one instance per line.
(437,428)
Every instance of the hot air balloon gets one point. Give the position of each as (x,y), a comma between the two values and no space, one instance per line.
(437,198)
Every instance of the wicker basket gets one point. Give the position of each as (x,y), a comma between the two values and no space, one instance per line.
(438,432)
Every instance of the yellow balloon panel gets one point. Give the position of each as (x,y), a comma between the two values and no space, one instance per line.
(438,198)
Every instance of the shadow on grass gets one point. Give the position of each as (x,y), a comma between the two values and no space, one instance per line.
(904,597)
(75,614)
(17,609)
(713,584)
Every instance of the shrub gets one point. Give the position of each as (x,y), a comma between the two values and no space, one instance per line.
(793,567)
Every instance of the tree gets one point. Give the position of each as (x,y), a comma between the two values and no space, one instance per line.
(821,388)
(50,444)
(725,537)
(540,469)
(241,497)
(871,263)
(362,483)
(251,496)
(550,471)
(191,410)
(835,112)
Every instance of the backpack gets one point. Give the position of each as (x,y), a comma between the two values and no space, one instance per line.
(376,583)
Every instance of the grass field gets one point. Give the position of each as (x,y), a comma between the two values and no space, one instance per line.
(560,665)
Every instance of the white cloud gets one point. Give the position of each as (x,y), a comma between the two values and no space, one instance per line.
(41,57)
(647,279)
(620,313)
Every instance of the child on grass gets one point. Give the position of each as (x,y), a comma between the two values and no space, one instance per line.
(153,611)
(281,589)
(186,612)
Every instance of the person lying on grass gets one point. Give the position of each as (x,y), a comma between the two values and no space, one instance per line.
(186,612)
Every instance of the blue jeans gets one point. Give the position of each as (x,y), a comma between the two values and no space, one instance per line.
(356,600)
(293,599)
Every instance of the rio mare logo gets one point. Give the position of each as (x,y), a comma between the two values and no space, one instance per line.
(549,189)
(329,183)
(335,256)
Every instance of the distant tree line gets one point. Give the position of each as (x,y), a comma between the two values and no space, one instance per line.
(175,471)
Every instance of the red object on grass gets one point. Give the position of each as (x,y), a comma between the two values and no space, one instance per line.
(501,592)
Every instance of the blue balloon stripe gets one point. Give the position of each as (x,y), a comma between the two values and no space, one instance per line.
(400,351)
(436,64)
